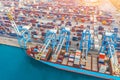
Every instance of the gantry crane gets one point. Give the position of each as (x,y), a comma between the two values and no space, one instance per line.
(85,42)
(63,36)
(108,44)
(23,34)
(108,50)
(50,39)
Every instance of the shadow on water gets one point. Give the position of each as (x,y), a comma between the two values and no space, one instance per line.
(16,65)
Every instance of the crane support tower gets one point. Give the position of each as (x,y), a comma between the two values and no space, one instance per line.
(85,42)
(63,36)
(108,44)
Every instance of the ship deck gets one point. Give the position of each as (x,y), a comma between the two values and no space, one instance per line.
(76,61)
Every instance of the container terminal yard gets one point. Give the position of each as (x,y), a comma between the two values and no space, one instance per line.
(81,36)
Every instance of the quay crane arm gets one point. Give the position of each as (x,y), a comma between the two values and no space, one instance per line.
(23,34)
(85,42)
(50,38)
(64,35)
(13,23)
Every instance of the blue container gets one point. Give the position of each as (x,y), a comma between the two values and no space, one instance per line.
(13,34)
(118,39)
(88,26)
(20,18)
(2,32)
(43,34)
(115,30)
(34,33)
(38,25)
(78,33)
(35,50)
(100,27)
(75,38)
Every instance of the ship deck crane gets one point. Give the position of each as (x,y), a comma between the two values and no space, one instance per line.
(85,43)
(63,36)
(50,39)
(22,33)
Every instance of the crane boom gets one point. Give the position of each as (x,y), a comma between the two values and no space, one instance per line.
(60,44)
(47,43)
(64,36)
(50,37)
(13,23)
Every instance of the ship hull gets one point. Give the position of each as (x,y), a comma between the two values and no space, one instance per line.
(81,71)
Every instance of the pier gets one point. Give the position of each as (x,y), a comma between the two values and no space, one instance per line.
(14,42)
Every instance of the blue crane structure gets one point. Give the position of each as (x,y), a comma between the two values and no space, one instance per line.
(63,36)
(118,44)
(108,44)
(85,42)
(23,35)
(50,39)
(117,38)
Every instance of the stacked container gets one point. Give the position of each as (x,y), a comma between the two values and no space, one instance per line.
(71,59)
(101,58)
(77,58)
(61,56)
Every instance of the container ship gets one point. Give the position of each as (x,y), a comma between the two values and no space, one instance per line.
(76,38)
(84,60)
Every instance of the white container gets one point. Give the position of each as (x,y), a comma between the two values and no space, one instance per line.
(91,31)
(99,36)
(92,36)
(96,40)
(71,59)
(95,37)
(102,68)
(77,57)
(101,60)
(96,47)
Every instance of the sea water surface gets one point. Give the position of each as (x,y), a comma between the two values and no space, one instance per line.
(16,65)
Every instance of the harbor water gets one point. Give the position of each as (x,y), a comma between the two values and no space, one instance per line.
(16,65)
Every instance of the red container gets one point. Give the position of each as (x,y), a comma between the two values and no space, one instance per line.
(29,51)
(73,29)
(101,56)
(119,60)
(82,20)
(81,26)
